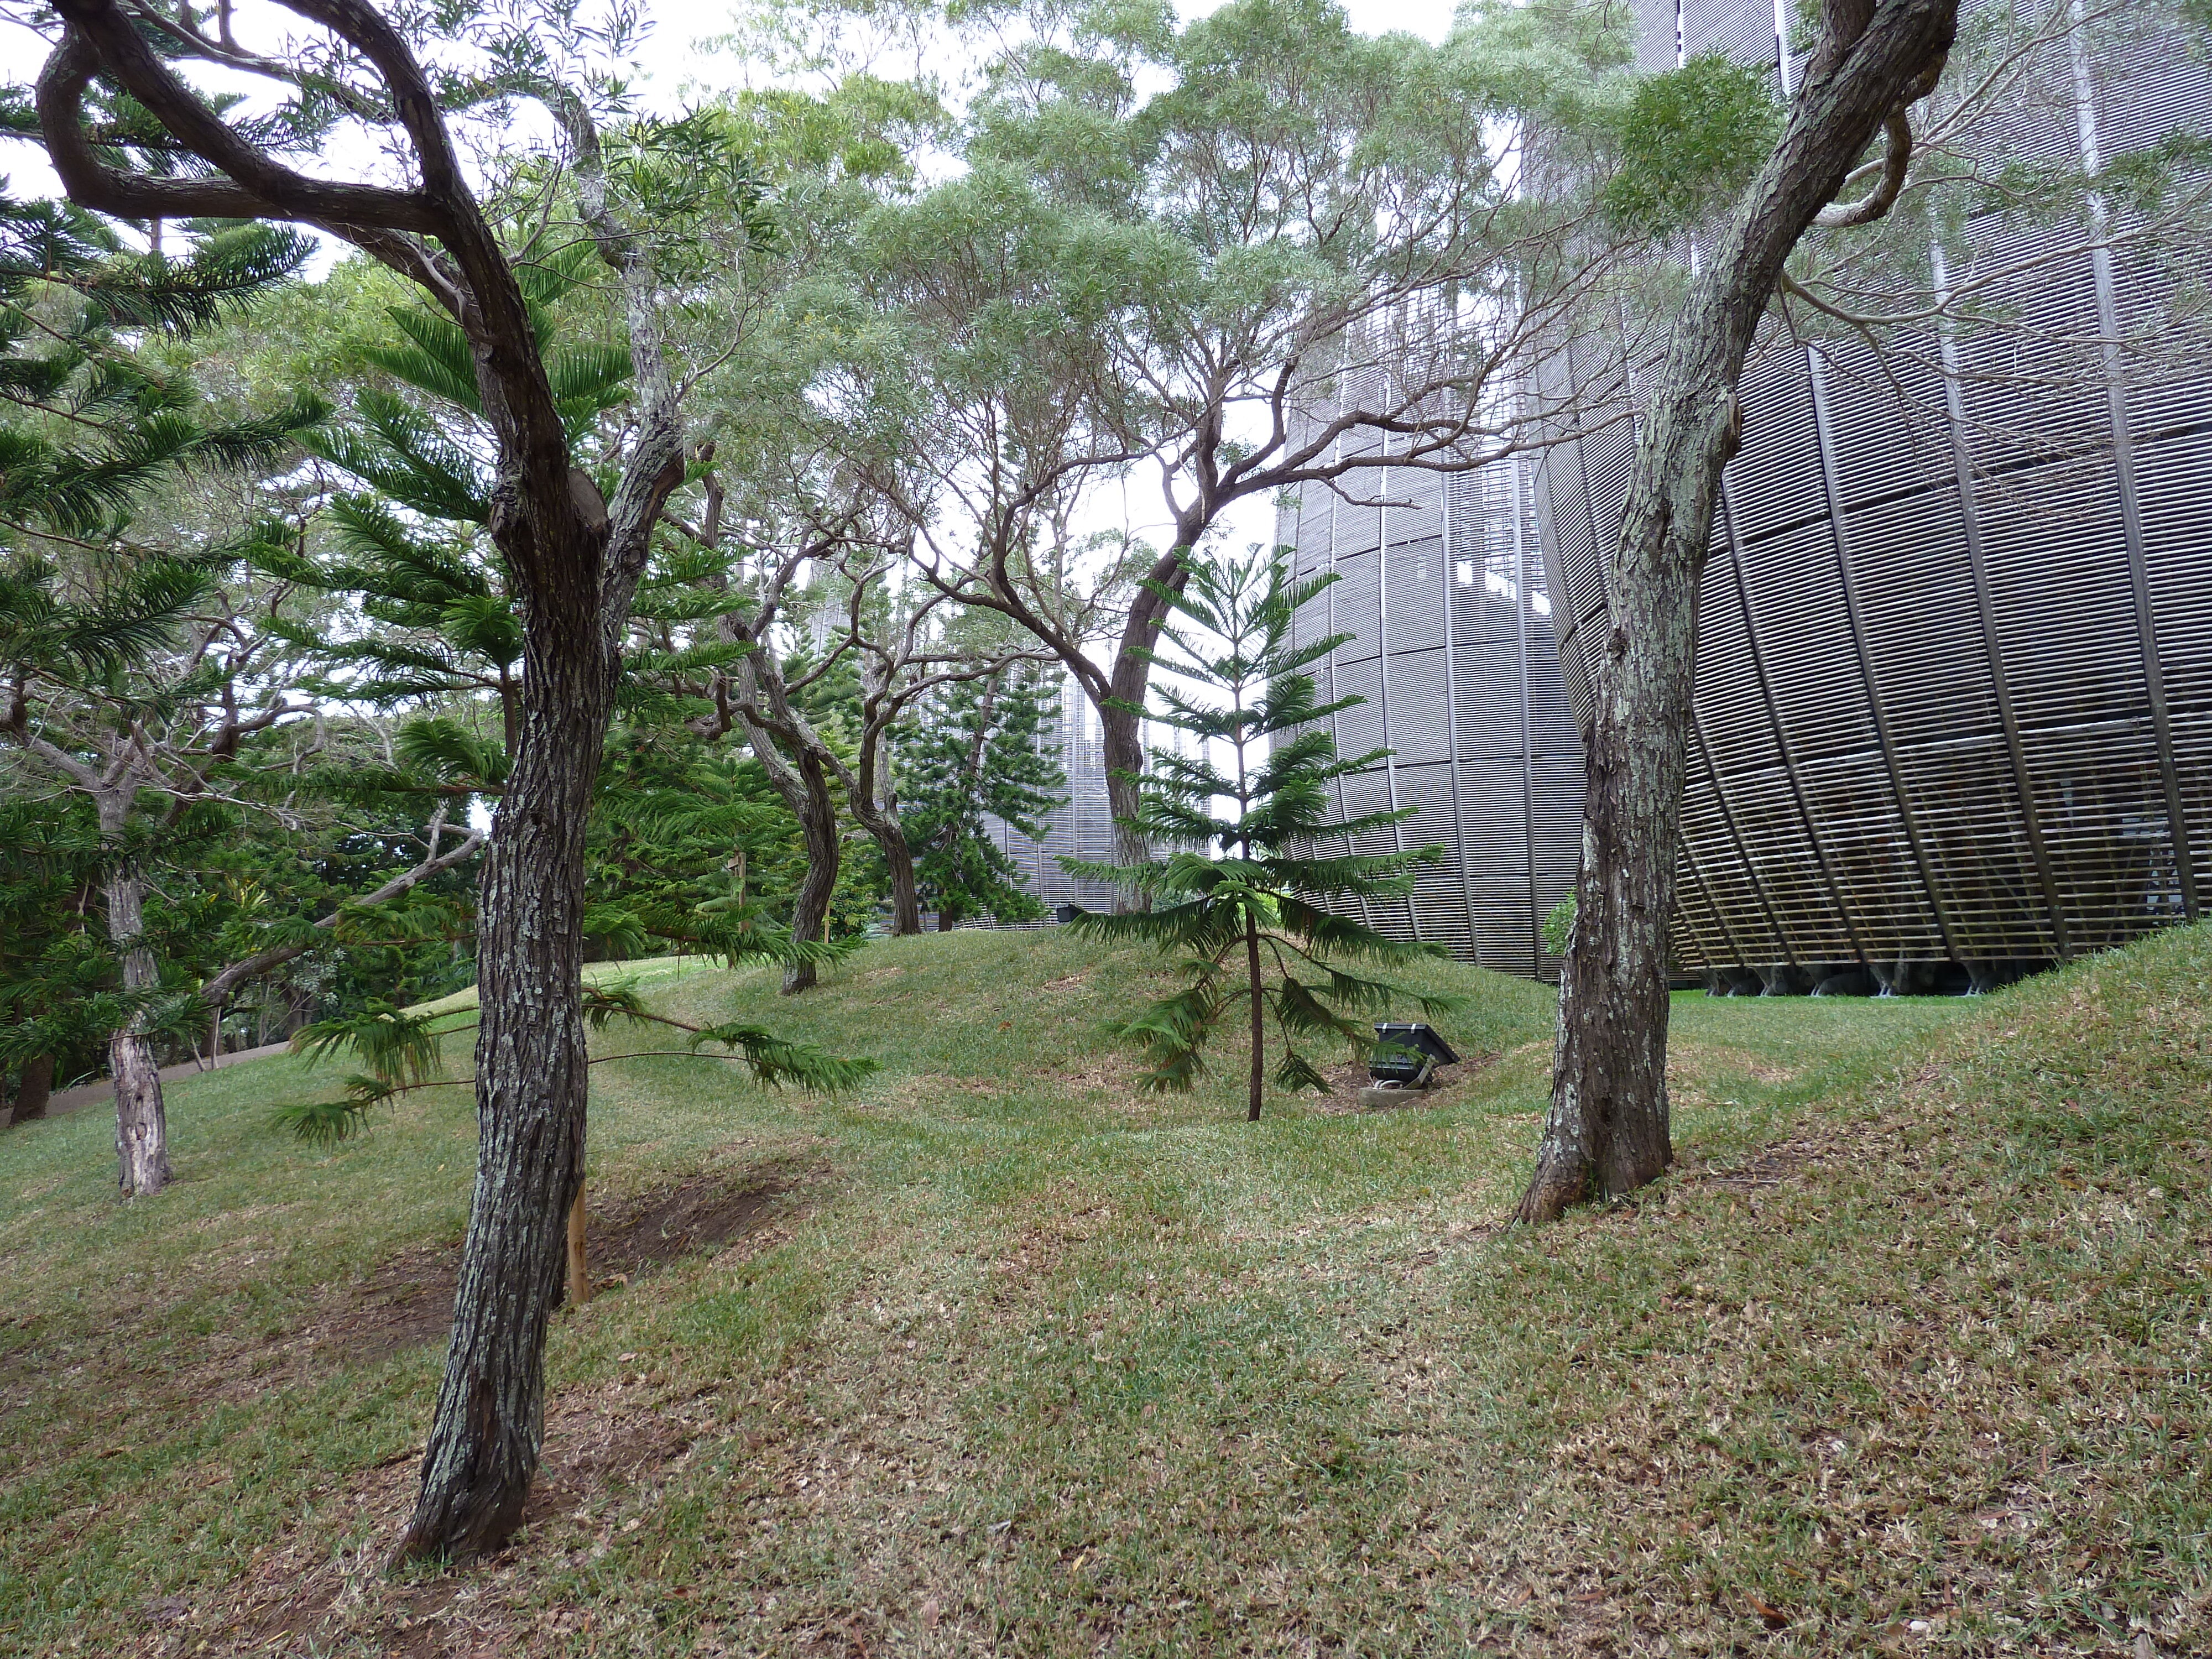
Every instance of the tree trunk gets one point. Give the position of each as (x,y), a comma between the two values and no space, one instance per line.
(898,862)
(141,1122)
(948,918)
(1607,1130)
(1119,721)
(34,1090)
(580,1272)
(1259,1013)
(530,1085)
(1124,746)
(816,809)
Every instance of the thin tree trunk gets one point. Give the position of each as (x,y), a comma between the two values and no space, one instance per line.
(898,863)
(1259,1011)
(34,1090)
(580,1275)
(141,1122)
(816,809)
(531,1088)
(1607,1130)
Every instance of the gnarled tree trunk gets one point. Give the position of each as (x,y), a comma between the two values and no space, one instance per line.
(531,1082)
(898,863)
(1607,1130)
(816,809)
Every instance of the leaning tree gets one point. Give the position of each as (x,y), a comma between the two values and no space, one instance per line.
(1607,1132)
(574,553)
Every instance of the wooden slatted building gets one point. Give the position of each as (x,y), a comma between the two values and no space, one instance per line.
(1442,585)
(1954,700)
(1953,712)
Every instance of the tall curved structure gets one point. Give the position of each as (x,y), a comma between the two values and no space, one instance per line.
(1441,584)
(1954,709)
(1954,704)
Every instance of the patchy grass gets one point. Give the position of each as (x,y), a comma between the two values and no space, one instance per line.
(1910,1354)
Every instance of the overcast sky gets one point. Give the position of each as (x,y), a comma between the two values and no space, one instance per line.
(674,63)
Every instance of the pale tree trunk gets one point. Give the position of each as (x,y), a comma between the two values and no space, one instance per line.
(531,1084)
(141,1123)
(1607,1130)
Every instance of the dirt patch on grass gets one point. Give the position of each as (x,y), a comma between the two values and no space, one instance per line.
(409,1301)
(1694,1060)
(600,1449)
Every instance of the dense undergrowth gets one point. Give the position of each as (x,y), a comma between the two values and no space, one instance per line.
(999,1356)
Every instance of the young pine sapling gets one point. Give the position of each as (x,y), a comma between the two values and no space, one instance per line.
(1254,884)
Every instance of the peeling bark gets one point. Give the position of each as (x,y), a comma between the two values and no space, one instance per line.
(141,1123)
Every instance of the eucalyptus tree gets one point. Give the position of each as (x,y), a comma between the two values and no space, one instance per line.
(1260,252)
(574,552)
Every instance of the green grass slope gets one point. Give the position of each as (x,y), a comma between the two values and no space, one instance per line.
(1003,1357)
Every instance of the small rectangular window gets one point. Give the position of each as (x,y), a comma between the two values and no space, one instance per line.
(1463,573)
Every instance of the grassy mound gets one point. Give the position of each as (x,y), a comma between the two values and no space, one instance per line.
(996,1355)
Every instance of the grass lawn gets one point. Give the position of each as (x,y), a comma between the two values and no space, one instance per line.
(996,1357)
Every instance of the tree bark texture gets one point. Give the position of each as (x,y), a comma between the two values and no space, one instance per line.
(531,1084)
(141,1123)
(816,809)
(1259,1014)
(1606,1133)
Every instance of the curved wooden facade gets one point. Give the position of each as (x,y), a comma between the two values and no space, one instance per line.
(1954,701)
(1954,713)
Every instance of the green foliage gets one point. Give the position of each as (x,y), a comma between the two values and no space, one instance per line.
(1256,883)
(775,1060)
(980,748)
(1559,925)
(1690,140)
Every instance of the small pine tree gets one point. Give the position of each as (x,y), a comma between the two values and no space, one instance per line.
(981,752)
(1253,883)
